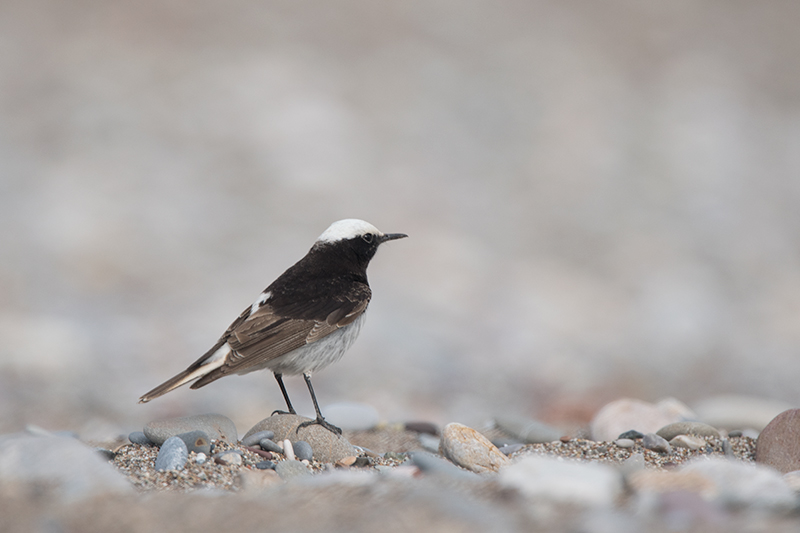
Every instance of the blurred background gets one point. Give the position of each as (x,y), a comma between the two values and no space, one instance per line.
(602,198)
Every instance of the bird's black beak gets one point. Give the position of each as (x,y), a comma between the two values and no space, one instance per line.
(391,236)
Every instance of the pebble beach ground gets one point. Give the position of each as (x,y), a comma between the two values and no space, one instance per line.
(399,477)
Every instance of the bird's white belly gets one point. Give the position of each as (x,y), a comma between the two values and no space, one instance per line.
(316,355)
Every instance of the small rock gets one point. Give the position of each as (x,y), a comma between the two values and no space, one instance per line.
(422,427)
(651,441)
(510,449)
(347,461)
(288,449)
(362,462)
(469,449)
(172,455)
(691,442)
(269,446)
(670,431)
(778,445)
(527,430)
(137,437)
(215,426)
(436,466)
(230,457)
(632,464)
(328,447)
(291,469)
(108,455)
(196,441)
(352,416)
(200,458)
(547,479)
(303,450)
(429,442)
(727,448)
(626,413)
(631,434)
(625,443)
(265,465)
(255,438)
(739,411)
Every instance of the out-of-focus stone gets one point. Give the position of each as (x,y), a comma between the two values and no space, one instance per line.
(469,449)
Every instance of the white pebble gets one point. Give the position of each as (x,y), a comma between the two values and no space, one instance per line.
(200,458)
(288,450)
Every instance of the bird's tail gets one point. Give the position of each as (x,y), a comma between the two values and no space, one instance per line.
(214,359)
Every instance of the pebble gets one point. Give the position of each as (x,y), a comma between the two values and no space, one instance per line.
(303,450)
(422,427)
(429,442)
(200,458)
(778,445)
(469,449)
(328,447)
(625,443)
(735,411)
(291,469)
(436,466)
(626,413)
(632,464)
(352,416)
(172,455)
(230,457)
(670,431)
(631,434)
(214,425)
(651,441)
(288,450)
(527,430)
(196,441)
(269,446)
(567,482)
(138,437)
(265,465)
(510,449)
(255,438)
(691,442)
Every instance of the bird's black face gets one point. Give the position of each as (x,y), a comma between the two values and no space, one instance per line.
(367,244)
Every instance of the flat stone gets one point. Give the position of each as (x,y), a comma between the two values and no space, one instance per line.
(434,465)
(328,447)
(625,443)
(291,469)
(626,414)
(735,411)
(469,449)
(631,434)
(196,441)
(230,457)
(778,445)
(265,465)
(270,446)
(255,438)
(138,437)
(172,455)
(548,479)
(65,466)
(651,441)
(670,431)
(351,416)
(527,430)
(691,442)
(510,449)
(303,451)
(215,426)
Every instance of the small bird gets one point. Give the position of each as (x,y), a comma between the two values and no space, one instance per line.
(304,321)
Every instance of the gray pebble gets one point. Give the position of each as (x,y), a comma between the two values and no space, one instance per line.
(735,433)
(291,469)
(631,434)
(651,441)
(255,438)
(429,442)
(303,451)
(230,457)
(625,443)
(509,449)
(670,431)
(108,455)
(435,465)
(632,464)
(270,446)
(727,448)
(172,455)
(196,441)
(265,465)
(137,437)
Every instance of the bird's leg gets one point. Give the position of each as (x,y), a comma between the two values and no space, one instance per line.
(279,377)
(319,421)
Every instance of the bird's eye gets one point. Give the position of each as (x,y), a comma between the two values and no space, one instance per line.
(367,237)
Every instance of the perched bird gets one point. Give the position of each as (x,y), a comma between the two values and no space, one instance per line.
(304,321)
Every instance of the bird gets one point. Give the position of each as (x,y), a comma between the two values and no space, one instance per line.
(302,322)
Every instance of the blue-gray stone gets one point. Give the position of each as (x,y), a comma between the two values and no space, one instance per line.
(137,437)
(172,455)
(291,469)
(303,451)
(196,441)
(215,426)
(255,438)
(651,441)
(508,449)
(435,465)
(265,465)
(631,434)
(268,445)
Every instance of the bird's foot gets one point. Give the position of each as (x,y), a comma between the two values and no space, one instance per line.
(279,412)
(320,422)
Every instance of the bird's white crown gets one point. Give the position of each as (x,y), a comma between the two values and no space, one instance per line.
(347,229)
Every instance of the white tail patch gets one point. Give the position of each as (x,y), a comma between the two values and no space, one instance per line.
(266,295)
(216,360)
